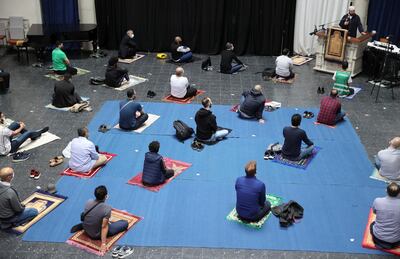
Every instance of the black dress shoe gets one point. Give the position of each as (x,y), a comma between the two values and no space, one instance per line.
(322,90)
(319,90)
(36,134)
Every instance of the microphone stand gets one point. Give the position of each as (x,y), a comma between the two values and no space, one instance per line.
(382,72)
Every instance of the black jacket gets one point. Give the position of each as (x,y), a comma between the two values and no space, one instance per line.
(288,212)
(127,47)
(114,76)
(227,56)
(253,104)
(175,54)
(206,124)
(65,95)
(354,23)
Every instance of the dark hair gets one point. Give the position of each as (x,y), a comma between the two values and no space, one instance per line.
(296,120)
(228,45)
(345,65)
(154,146)
(82,132)
(206,102)
(100,193)
(285,51)
(113,61)
(58,43)
(251,168)
(334,93)
(67,76)
(130,93)
(393,189)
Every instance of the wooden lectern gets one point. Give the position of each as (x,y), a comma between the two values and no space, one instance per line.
(334,46)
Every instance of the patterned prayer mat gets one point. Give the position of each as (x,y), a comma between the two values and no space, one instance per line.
(172,99)
(80,72)
(42,201)
(284,81)
(152,118)
(319,123)
(178,167)
(274,200)
(377,176)
(131,60)
(83,241)
(300,60)
(91,173)
(302,164)
(356,90)
(367,241)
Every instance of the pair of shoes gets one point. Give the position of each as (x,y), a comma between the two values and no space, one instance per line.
(151,94)
(103,128)
(36,134)
(321,90)
(308,115)
(269,155)
(122,251)
(34,174)
(56,161)
(20,156)
(196,145)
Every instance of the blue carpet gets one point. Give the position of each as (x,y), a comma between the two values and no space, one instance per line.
(335,189)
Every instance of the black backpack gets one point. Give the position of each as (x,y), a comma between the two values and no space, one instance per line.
(183,131)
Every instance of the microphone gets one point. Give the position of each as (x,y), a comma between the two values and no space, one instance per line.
(389,36)
(315,30)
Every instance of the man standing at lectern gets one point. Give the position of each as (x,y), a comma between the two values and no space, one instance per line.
(352,22)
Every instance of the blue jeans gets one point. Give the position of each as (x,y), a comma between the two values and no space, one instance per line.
(17,142)
(305,152)
(218,135)
(377,162)
(235,68)
(117,227)
(186,57)
(339,117)
(26,215)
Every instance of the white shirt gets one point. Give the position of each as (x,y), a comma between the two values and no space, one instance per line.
(5,144)
(178,86)
(284,65)
(83,154)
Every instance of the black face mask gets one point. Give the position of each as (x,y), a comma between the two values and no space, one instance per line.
(210,106)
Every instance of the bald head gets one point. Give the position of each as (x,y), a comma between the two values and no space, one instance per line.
(334,93)
(395,142)
(352,10)
(179,71)
(178,39)
(6,174)
(258,88)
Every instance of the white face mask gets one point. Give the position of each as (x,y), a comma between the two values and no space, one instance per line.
(132,35)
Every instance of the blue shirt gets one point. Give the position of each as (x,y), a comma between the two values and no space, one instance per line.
(250,196)
(292,145)
(83,154)
(127,114)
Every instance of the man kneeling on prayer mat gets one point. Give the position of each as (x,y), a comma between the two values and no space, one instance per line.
(180,87)
(64,93)
(330,111)
(12,212)
(385,230)
(342,80)
(96,219)
(252,104)
(388,160)
(294,136)
(154,170)
(127,48)
(251,203)
(84,156)
(284,66)
(115,76)
(131,114)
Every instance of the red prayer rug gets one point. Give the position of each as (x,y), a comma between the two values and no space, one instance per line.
(172,99)
(92,172)
(178,167)
(81,240)
(319,123)
(367,241)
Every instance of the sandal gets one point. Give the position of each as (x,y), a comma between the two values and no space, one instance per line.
(56,161)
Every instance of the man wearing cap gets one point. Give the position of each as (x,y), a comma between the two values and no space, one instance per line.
(115,76)
(351,22)
(12,212)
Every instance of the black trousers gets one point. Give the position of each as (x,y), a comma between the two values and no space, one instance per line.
(263,211)
(167,174)
(70,70)
(380,243)
(4,82)
(285,77)
(190,92)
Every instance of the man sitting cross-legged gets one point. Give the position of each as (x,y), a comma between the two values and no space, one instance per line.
(388,160)
(385,230)
(131,114)
(227,66)
(284,66)
(12,212)
(14,135)
(252,104)
(294,136)
(154,170)
(64,93)
(180,87)
(84,156)
(206,124)
(96,219)
(179,52)
(61,63)
(251,204)
(115,76)
(330,111)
